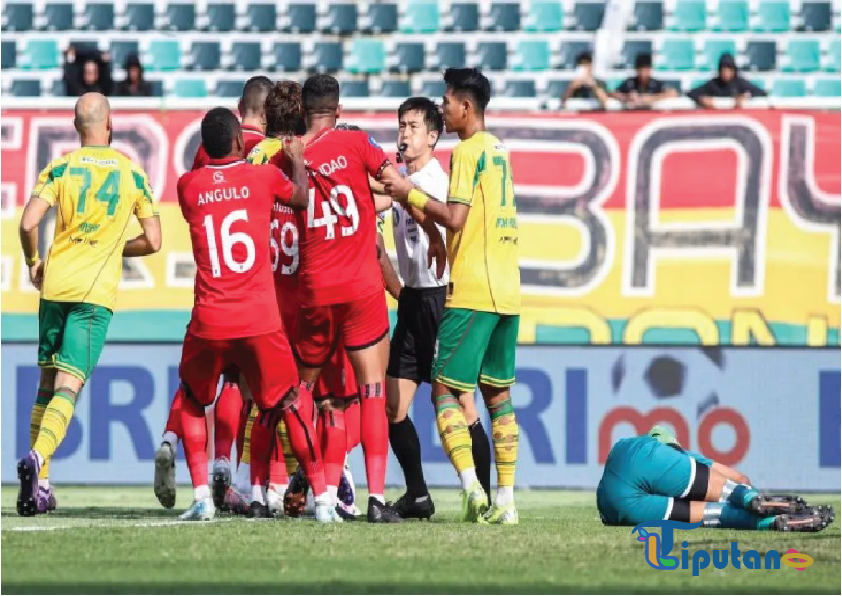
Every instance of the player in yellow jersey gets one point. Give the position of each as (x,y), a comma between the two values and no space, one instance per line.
(478,333)
(96,191)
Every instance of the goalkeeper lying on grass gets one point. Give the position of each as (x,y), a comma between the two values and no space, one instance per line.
(651,477)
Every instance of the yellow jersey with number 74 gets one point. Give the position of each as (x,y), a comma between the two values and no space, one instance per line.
(484,255)
(95,191)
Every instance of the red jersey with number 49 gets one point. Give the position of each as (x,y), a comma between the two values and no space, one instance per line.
(251,137)
(228,206)
(338,230)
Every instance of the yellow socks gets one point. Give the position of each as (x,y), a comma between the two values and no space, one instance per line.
(290,462)
(505,437)
(54,422)
(38,409)
(453,431)
(245,458)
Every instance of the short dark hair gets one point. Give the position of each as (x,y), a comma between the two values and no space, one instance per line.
(254,95)
(219,129)
(284,114)
(425,105)
(320,94)
(643,60)
(469,81)
(346,126)
(585,57)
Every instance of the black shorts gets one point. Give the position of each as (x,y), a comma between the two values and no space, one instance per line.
(413,344)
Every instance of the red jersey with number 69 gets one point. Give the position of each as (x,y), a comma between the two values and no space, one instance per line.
(251,137)
(228,206)
(338,230)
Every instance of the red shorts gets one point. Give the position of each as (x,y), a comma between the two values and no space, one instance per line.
(265,363)
(337,378)
(361,324)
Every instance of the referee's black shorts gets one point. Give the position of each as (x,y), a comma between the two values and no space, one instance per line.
(413,343)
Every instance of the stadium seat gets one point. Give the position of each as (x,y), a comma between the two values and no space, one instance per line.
(434,88)
(245,55)
(556,88)
(190,88)
(287,56)
(834,56)
(817,16)
(772,16)
(229,88)
(302,18)
(40,54)
(367,55)
(121,48)
(676,54)
(396,88)
(569,51)
(327,56)
(632,49)
(714,48)
(789,88)
(58,17)
(58,88)
(505,16)
(762,55)
(731,15)
(410,57)
(17,17)
(492,55)
(181,17)
(26,88)
(157,87)
(532,55)
(261,18)
(519,88)
(353,88)
(205,55)
(448,54)
(140,17)
(544,16)
(587,16)
(648,16)
(689,15)
(383,18)
(341,19)
(827,88)
(802,55)
(98,16)
(8,54)
(221,16)
(421,16)
(163,55)
(465,16)
(760,83)
(88,45)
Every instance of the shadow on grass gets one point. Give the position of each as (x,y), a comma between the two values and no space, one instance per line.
(110,513)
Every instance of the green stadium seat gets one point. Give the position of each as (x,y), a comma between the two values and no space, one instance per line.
(677,54)
(632,49)
(410,57)
(612,84)
(834,56)
(246,55)
(505,16)
(802,55)
(98,16)
(367,55)
(383,18)
(302,18)
(181,17)
(492,55)
(190,88)
(569,51)
(354,88)
(587,16)
(762,55)
(689,15)
(396,88)
(84,45)
(556,88)
(714,48)
(827,88)
(731,15)
(205,55)
(261,17)
(8,54)
(140,16)
(157,87)
(121,49)
(760,83)
(26,88)
(58,17)
(229,88)
(816,16)
(789,88)
(434,88)
(163,55)
(341,19)
(287,56)
(544,17)
(40,54)
(772,16)
(465,16)
(449,54)
(327,56)
(532,55)
(58,88)
(421,16)
(221,16)
(17,16)
(519,88)
(648,16)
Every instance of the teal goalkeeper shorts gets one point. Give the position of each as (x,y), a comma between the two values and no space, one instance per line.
(644,478)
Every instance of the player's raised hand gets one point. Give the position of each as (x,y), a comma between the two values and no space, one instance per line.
(398,188)
(294,148)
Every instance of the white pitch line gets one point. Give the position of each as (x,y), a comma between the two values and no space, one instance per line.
(142,524)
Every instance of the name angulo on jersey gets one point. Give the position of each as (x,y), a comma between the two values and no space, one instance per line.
(217,195)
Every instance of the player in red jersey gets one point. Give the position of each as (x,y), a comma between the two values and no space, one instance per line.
(228,206)
(230,412)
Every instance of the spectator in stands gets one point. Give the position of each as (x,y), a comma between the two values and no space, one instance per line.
(134,85)
(642,90)
(728,83)
(86,71)
(585,86)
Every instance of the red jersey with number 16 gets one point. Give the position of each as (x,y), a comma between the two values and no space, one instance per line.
(338,244)
(228,206)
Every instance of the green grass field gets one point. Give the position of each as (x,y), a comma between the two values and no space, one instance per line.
(118,540)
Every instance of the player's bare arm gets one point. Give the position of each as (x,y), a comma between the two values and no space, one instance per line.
(33,213)
(390,276)
(150,240)
(294,149)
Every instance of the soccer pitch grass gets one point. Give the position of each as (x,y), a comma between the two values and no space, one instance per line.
(118,540)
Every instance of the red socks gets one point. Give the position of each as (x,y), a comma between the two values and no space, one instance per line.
(195,440)
(352,424)
(277,463)
(331,432)
(174,419)
(241,429)
(262,442)
(375,435)
(302,438)
(226,419)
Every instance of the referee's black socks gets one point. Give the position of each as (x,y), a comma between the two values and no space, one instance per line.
(407,447)
(481,449)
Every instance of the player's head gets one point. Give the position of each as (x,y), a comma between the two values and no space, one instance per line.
(466,96)
(420,126)
(663,435)
(222,135)
(92,119)
(284,114)
(320,97)
(251,103)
